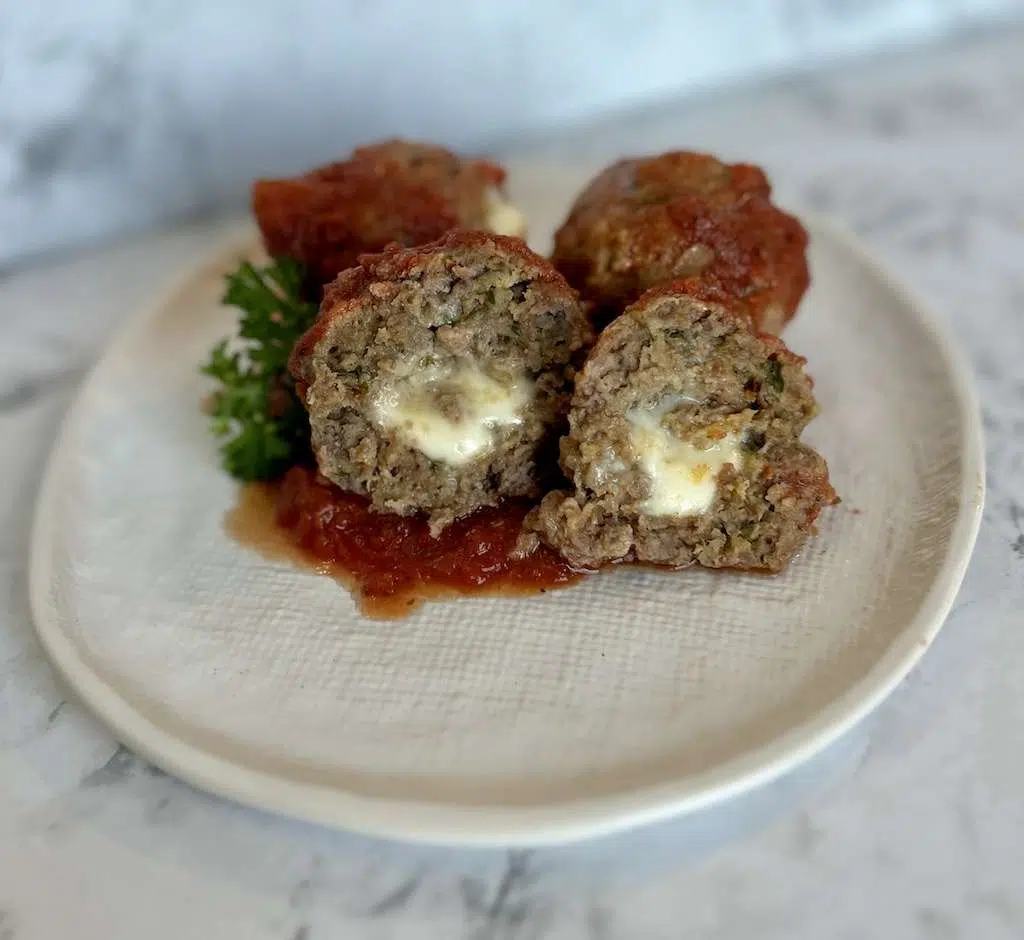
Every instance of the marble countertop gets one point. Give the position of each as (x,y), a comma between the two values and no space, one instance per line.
(912,826)
(119,116)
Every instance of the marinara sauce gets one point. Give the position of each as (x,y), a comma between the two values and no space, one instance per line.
(392,563)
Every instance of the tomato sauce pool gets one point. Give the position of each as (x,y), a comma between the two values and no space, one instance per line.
(392,563)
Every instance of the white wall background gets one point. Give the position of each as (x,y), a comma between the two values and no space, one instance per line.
(118,114)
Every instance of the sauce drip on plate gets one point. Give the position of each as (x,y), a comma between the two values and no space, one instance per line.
(391,563)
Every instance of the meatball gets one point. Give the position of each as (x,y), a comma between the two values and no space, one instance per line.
(647,221)
(435,376)
(683,444)
(396,192)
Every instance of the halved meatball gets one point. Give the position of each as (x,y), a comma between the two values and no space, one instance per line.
(683,444)
(396,192)
(435,376)
(647,221)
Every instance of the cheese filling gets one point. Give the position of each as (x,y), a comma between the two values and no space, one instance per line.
(481,405)
(683,478)
(503,218)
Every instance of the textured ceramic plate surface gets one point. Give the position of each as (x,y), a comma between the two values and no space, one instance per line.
(490,720)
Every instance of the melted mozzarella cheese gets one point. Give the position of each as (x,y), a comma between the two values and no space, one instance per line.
(503,218)
(683,478)
(485,404)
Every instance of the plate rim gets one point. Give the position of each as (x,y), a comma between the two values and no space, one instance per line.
(438,823)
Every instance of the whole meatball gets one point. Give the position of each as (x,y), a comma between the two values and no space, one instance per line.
(395,192)
(646,221)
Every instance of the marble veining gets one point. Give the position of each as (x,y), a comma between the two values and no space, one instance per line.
(910,827)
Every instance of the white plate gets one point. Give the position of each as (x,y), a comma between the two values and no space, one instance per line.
(517,721)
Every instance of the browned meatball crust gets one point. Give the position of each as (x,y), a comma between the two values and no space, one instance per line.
(646,221)
(396,192)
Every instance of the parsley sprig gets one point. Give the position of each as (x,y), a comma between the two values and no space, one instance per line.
(254,411)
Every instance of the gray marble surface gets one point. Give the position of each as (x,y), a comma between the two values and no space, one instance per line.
(912,826)
(117,114)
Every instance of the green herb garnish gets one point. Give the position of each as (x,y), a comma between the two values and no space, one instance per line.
(774,369)
(255,411)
